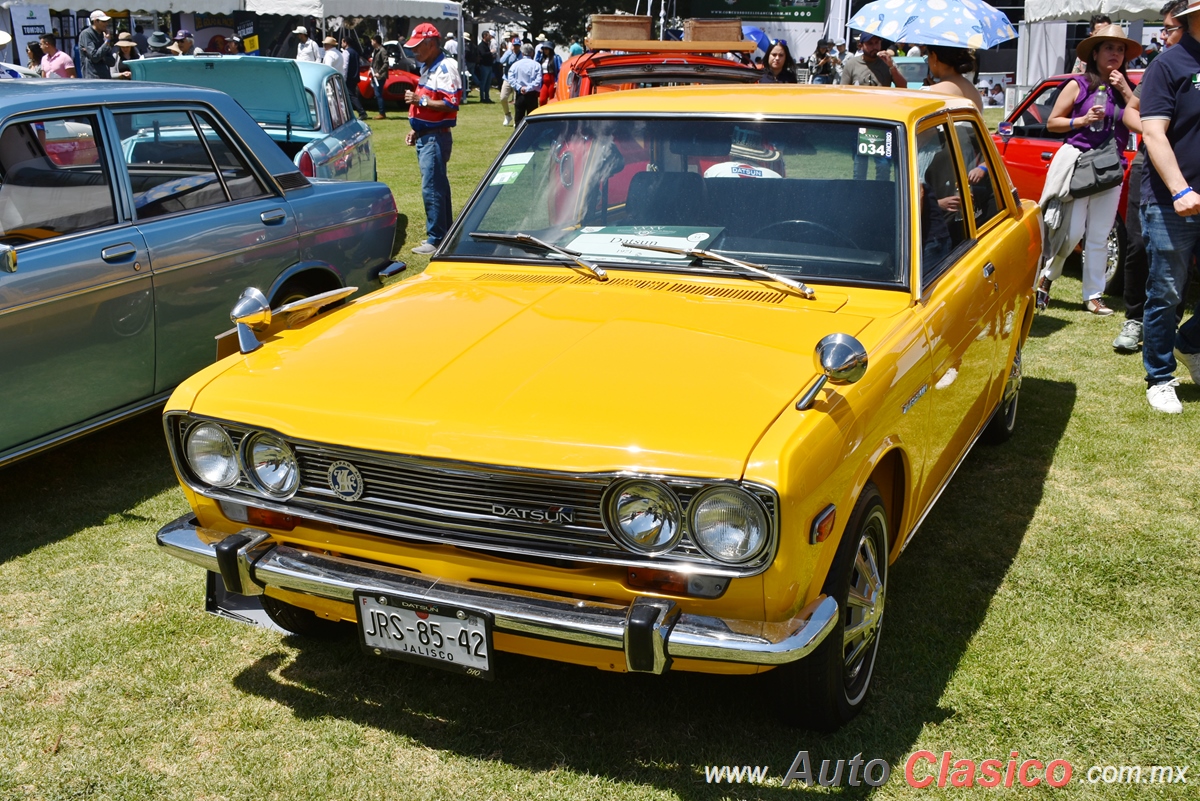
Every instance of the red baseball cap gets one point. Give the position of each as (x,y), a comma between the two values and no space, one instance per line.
(424,31)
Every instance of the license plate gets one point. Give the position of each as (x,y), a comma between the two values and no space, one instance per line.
(449,637)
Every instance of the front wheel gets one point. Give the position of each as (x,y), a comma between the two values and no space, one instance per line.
(826,689)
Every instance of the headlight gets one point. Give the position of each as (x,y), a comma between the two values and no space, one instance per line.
(728,524)
(645,516)
(211,455)
(271,465)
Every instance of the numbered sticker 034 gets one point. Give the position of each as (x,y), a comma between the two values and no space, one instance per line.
(875,142)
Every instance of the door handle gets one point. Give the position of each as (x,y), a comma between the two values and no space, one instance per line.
(988,269)
(273,217)
(1047,155)
(118,252)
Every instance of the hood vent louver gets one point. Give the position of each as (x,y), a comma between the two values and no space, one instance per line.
(697,290)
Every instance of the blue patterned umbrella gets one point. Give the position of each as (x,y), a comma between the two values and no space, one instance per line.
(954,23)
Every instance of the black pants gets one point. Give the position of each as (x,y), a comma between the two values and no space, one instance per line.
(525,103)
(1136,268)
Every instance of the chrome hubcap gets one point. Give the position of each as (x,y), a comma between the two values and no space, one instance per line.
(1112,254)
(864,602)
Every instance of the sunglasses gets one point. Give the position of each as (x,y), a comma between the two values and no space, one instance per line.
(785,44)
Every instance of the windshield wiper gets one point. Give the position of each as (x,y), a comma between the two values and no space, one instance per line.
(708,255)
(533,242)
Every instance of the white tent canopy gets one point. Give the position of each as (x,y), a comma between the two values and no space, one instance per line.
(1082,10)
(419,9)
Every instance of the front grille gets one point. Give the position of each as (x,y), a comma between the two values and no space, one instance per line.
(453,503)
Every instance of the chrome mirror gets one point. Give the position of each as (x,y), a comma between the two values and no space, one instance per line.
(1005,129)
(251,313)
(841,359)
(8,259)
(298,311)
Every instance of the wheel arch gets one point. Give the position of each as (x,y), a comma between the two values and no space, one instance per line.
(324,277)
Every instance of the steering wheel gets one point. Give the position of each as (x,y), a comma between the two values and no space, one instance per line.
(823,229)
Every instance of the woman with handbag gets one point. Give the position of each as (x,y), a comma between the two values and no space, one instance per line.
(1092,111)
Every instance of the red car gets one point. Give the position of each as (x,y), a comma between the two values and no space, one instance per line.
(604,71)
(401,77)
(1028,148)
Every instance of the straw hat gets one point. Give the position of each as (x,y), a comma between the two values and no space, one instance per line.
(125,40)
(1192,6)
(1110,33)
(329,41)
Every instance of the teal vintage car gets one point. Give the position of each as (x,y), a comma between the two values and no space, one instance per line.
(130,221)
(303,107)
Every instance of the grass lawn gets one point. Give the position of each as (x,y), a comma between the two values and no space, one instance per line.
(1048,606)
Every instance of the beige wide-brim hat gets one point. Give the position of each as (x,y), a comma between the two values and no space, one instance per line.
(1109,33)
(1192,6)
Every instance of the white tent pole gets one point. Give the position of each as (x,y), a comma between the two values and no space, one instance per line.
(662,20)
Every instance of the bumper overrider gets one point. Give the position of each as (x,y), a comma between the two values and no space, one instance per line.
(650,632)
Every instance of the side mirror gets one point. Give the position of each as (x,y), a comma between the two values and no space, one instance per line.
(1005,129)
(251,313)
(8,259)
(841,359)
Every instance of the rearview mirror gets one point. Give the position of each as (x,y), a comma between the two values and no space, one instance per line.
(8,259)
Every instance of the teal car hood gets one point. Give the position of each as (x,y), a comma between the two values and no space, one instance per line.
(270,89)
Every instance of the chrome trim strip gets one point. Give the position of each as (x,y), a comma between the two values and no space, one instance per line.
(87,428)
(520,612)
(33,304)
(339,226)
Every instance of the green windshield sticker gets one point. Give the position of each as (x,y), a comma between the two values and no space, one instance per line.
(614,241)
(510,168)
(874,142)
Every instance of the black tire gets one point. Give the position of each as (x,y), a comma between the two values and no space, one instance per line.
(1114,270)
(301,622)
(300,287)
(825,690)
(1004,422)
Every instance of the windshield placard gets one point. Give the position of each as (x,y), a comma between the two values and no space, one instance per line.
(511,167)
(610,241)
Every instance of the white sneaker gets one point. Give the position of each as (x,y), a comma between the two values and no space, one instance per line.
(424,249)
(1192,362)
(507,119)
(1162,397)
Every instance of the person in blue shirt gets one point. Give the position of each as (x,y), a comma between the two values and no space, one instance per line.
(509,57)
(525,75)
(1170,109)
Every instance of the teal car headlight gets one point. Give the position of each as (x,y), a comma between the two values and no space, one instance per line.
(729,524)
(644,516)
(211,455)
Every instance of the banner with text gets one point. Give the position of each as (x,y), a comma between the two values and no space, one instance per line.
(761,10)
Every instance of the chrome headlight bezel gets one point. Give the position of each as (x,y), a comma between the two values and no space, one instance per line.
(232,456)
(651,486)
(764,522)
(248,465)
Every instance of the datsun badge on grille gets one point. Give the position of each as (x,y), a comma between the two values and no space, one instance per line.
(345,481)
(550,514)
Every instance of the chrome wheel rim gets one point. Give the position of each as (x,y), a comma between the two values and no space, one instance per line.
(1112,253)
(863,615)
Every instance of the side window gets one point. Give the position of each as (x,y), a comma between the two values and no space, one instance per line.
(943,225)
(53,179)
(239,178)
(337,115)
(170,168)
(344,100)
(981,174)
(1032,121)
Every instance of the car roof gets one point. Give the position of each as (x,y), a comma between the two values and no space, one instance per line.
(898,105)
(31,95)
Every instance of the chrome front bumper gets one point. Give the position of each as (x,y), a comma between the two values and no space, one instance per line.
(650,632)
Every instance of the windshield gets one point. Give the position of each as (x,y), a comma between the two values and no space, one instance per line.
(816,200)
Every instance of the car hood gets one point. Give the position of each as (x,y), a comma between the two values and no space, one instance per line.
(270,89)
(547,370)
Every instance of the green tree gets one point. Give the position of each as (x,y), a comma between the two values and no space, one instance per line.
(570,19)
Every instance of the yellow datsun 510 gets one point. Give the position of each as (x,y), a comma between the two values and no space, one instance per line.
(685,377)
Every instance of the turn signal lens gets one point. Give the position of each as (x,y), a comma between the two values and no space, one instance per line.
(306,164)
(822,525)
(211,455)
(664,581)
